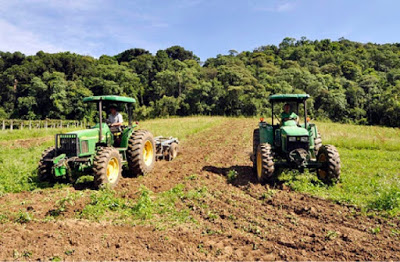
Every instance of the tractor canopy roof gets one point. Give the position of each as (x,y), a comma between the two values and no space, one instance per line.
(289,98)
(116,99)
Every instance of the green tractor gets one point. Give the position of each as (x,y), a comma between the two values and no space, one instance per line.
(102,150)
(292,145)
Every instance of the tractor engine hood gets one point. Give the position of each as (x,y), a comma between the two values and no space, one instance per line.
(294,131)
(87,134)
(91,134)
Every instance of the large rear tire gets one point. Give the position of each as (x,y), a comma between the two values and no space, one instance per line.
(264,160)
(141,153)
(44,168)
(107,167)
(256,143)
(329,157)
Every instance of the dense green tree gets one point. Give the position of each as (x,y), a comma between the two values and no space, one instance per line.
(348,81)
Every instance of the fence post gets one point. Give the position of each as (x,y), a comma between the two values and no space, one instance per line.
(4,125)
(30,124)
(45,124)
(22,125)
(11,125)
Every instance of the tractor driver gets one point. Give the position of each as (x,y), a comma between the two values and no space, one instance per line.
(115,118)
(288,114)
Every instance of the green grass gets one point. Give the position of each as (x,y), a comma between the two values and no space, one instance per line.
(158,209)
(181,127)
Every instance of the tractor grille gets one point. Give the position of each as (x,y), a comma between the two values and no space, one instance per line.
(297,144)
(84,146)
(67,144)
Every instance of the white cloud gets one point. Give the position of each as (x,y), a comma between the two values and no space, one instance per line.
(17,39)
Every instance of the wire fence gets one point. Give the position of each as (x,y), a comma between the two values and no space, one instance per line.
(17,124)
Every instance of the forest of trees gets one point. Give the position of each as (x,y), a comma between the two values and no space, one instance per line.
(348,81)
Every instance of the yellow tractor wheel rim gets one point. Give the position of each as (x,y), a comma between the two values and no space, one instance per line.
(112,170)
(259,165)
(148,153)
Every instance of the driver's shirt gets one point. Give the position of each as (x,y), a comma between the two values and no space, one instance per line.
(288,115)
(117,118)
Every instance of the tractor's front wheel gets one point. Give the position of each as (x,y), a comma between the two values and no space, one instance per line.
(44,168)
(141,153)
(264,163)
(107,167)
(329,157)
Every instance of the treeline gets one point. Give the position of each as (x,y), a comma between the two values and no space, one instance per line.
(348,81)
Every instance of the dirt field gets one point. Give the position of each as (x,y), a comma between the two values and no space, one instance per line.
(238,219)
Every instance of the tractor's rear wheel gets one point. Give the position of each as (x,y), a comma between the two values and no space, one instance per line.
(141,152)
(264,163)
(173,151)
(329,157)
(44,168)
(107,167)
(256,143)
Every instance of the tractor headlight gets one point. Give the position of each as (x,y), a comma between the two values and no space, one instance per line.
(304,139)
(292,139)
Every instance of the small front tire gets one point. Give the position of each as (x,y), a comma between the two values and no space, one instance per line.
(44,168)
(256,143)
(264,160)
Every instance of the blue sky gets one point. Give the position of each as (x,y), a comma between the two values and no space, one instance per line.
(206,27)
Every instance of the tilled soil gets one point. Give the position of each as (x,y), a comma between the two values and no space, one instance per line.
(243,219)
